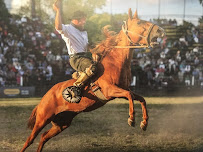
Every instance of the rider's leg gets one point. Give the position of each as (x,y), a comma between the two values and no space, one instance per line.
(84,77)
(85,66)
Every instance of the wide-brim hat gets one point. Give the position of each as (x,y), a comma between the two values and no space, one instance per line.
(78,15)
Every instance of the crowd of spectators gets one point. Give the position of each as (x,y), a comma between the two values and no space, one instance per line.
(163,22)
(176,63)
(30,56)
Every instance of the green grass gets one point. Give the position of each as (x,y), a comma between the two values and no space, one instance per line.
(175,124)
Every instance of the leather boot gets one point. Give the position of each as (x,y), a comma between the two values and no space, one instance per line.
(84,77)
(81,80)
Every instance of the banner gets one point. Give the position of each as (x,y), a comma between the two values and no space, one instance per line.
(6,92)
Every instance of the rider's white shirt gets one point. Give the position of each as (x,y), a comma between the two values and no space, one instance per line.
(76,40)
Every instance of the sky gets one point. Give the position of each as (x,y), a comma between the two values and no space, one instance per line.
(147,9)
(12,5)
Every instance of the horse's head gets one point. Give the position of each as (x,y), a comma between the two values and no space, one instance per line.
(141,32)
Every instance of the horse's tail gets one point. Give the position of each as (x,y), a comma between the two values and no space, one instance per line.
(32,119)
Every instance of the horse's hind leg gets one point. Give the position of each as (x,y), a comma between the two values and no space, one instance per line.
(115,91)
(37,128)
(143,124)
(49,134)
(60,123)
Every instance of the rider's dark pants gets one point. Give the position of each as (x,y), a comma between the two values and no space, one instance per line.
(81,61)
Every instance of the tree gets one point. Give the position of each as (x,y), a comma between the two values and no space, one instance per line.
(201,20)
(94,25)
(117,21)
(33,10)
(3,11)
(88,6)
(96,22)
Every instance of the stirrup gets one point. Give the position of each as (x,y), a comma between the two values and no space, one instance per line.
(72,94)
(81,80)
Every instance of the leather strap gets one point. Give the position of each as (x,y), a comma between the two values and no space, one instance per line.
(97,91)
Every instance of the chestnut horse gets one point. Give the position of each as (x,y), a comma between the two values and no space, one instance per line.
(113,78)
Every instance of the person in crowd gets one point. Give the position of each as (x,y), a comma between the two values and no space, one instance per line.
(186,51)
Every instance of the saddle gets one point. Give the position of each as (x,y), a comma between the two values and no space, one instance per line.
(73,94)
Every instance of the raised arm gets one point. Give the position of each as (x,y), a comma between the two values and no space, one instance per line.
(58,18)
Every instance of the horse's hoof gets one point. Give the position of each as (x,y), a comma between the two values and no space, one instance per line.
(143,126)
(131,122)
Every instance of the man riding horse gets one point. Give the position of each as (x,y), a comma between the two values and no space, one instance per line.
(112,79)
(76,40)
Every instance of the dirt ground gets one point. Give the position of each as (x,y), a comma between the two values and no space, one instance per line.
(175,124)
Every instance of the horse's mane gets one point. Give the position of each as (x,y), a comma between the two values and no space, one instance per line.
(107,44)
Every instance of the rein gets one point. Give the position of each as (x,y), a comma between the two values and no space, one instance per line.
(131,47)
(134,45)
(126,31)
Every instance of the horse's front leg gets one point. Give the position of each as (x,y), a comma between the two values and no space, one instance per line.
(114,91)
(144,123)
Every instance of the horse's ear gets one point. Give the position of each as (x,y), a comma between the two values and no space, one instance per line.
(135,16)
(130,14)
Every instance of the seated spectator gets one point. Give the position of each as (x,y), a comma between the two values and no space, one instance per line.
(68,72)
(187,69)
(171,65)
(187,80)
(11,77)
(188,56)
(162,55)
(162,66)
(2,81)
(181,76)
(178,57)
(196,61)
(166,50)
(49,73)
(195,74)
(196,50)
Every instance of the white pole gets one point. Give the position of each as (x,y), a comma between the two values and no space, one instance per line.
(21,80)
(193,80)
(134,81)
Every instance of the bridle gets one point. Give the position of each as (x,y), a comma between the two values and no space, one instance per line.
(133,44)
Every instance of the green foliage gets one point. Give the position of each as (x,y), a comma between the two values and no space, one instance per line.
(117,21)
(4,14)
(187,24)
(181,29)
(201,20)
(24,10)
(94,26)
(42,13)
(96,22)
(56,46)
(88,6)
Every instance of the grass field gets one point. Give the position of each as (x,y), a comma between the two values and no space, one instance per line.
(175,124)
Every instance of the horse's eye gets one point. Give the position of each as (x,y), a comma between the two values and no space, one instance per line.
(138,22)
